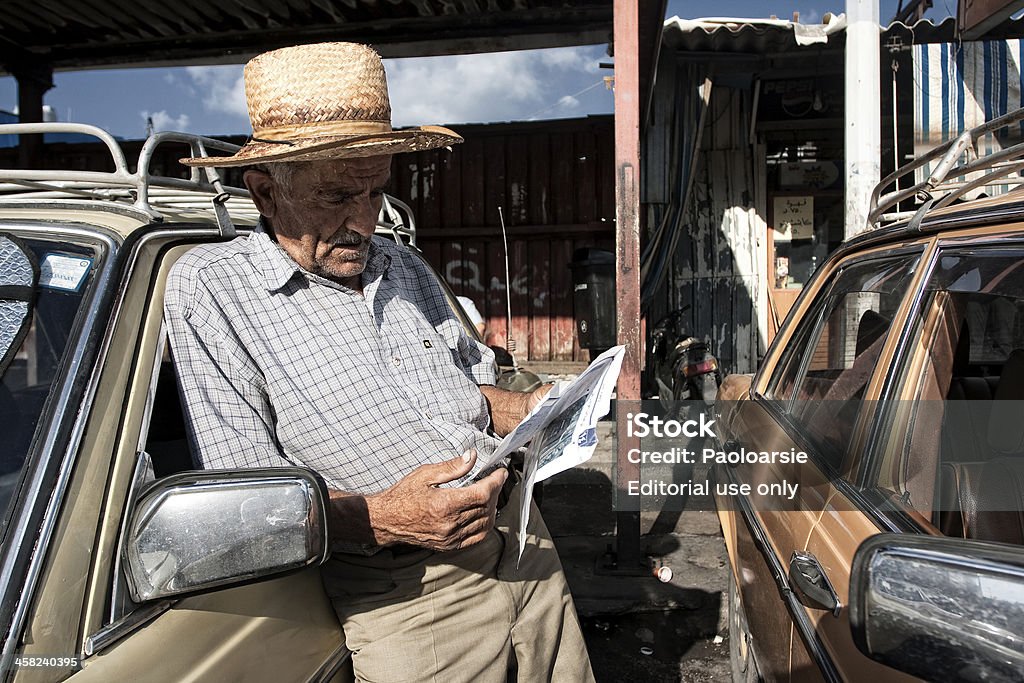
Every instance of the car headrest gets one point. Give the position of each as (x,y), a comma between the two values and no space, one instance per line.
(871,327)
(1006,423)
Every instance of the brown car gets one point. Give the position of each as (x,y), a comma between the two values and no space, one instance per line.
(895,551)
(117,562)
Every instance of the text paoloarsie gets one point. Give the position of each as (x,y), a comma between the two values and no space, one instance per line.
(709,456)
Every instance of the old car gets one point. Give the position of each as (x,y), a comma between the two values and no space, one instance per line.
(900,373)
(120,563)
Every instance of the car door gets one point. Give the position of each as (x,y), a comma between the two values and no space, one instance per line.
(946,448)
(809,398)
(282,629)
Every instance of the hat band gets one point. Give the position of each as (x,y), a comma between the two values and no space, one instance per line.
(322,128)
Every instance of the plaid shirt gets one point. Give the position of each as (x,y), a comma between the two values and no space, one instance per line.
(279,366)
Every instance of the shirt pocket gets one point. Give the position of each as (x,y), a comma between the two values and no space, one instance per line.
(428,359)
(431,350)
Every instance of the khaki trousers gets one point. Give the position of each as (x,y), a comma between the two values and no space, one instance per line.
(465,615)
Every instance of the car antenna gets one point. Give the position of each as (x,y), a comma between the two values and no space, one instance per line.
(510,343)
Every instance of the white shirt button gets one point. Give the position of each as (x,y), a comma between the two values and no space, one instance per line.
(397,361)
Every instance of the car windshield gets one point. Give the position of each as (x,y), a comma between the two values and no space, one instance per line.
(32,377)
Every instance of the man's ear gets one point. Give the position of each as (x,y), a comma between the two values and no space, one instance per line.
(262,188)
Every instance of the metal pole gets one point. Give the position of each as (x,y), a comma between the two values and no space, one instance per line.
(862,140)
(627,257)
(863,136)
(895,122)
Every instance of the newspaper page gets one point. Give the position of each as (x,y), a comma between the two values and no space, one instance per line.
(600,374)
(564,433)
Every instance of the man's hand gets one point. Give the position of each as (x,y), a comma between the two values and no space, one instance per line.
(508,408)
(415,511)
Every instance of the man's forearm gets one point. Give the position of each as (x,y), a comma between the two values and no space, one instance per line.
(367,520)
(508,408)
(348,520)
(361,520)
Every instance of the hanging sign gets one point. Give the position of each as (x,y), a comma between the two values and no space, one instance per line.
(816,175)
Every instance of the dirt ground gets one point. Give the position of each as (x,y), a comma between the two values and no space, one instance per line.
(638,628)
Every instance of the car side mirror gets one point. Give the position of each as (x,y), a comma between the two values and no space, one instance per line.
(19,273)
(939,608)
(201,530)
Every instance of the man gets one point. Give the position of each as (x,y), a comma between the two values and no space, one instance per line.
(473,314)
(316,344)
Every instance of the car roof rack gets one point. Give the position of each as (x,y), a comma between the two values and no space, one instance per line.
(156,197)
(153,196)
(959,170)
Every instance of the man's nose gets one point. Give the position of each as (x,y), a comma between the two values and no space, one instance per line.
(363,217)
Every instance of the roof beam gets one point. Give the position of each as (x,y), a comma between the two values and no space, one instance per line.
(978,17)
(240,29)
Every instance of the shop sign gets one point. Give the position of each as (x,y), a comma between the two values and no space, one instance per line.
(794,218)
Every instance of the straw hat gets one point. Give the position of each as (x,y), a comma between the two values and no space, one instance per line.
(328,100)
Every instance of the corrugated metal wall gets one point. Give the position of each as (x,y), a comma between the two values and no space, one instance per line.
(554,181)
(719,263)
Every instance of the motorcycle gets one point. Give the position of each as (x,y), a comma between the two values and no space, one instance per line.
(511,375)
(683,367)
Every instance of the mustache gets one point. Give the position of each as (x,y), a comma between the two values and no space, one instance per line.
(348,238)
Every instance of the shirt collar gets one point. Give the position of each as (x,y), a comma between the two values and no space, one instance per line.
(276,268)
(377,263)
(273,263)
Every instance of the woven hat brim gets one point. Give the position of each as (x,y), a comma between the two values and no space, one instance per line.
(334,147)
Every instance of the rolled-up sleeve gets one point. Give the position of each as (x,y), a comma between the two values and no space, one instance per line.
(478,360)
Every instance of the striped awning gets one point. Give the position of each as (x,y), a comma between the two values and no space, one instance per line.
(958,86)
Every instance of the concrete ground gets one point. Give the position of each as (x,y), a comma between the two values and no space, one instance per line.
(638,628)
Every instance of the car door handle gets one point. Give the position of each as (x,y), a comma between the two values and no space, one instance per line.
(807,576)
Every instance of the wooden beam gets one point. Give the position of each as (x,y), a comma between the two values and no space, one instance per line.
(627,257)
(975,18)
(545,232)
(207,53)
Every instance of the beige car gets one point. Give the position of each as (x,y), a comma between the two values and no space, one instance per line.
(117,563)
(900,373)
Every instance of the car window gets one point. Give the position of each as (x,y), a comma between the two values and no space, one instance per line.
(27,384)
(825,369)
(960,458)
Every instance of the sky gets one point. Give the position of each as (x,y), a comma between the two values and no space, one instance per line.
(482,88)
